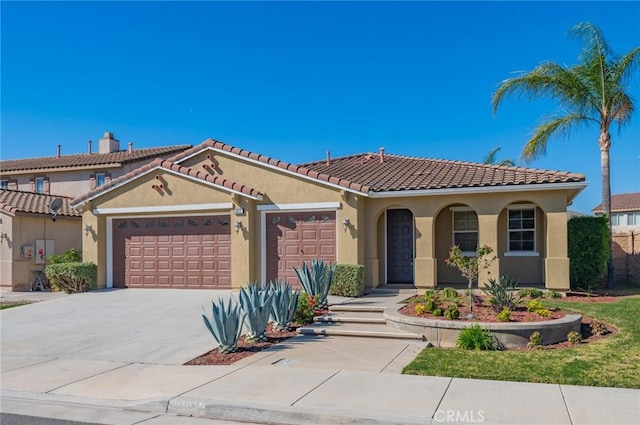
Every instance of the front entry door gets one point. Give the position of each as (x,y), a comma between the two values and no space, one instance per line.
(399,246)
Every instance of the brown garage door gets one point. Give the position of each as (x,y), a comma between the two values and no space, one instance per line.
(294,237)
(172,252)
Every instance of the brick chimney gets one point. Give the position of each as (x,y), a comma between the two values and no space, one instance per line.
(108,144)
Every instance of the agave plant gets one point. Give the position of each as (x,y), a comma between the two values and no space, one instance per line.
(285,302)
(316,280)
(256,305)
(225,325)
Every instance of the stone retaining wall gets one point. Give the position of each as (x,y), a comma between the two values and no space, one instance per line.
(445,332)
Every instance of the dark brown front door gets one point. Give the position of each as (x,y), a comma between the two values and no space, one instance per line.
(399,246)
(294,237)
(172,252)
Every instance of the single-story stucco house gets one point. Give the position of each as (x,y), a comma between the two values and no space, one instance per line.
(217,216)
(29,235)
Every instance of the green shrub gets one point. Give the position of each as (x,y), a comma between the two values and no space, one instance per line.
(534,305)
(450,293)
(437,312)
(530,293)
(420,308)
(71,256)
(589,249)
(348,280)
(452,312)
(431,293)
(543,312)
(598,328)
(535,340)
(72,277)
(574,337)
(501,293)
(431,304)
(305,310)
(476,338)
(504,315)
(554,294)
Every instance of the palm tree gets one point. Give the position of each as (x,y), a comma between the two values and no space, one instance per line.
(595,91)
(491,158)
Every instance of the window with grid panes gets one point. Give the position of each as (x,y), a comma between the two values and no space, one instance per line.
(522,229)
(465,230)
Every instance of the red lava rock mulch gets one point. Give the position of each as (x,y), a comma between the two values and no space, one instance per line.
(245,348)
(483,311)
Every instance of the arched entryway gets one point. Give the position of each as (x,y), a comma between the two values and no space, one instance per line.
(400,252)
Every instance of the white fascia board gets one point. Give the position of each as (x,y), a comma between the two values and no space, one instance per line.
(317,206)
(484,189)
(164,208)
(284,170)
(156,168)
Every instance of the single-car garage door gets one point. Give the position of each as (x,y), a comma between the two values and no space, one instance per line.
(294,237)
(172,252)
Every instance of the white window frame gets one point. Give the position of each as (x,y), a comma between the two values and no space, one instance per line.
(534,252)
(454,210)
(104,179)
(37,180)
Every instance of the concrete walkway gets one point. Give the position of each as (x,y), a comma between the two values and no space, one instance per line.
(321,380)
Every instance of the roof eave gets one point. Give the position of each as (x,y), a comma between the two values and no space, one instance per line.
(577,187)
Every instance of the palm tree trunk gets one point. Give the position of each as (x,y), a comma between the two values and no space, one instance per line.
(605,168)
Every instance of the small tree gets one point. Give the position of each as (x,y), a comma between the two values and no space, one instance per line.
(471,266)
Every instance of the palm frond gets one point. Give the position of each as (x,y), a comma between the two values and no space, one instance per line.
(558,126)
(546,80)
(624,67)
(508,162)
(491,156)
(594,42)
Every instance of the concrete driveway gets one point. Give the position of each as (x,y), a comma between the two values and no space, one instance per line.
(161,326)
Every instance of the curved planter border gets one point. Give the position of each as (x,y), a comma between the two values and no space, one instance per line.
(512,335)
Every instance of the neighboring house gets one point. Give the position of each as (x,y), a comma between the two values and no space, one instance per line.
(74,175)
(28,235)
(27,185)
(625,212)
(216,216)
(625,229)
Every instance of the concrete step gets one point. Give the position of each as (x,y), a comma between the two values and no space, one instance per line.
(353,307)
(357,330)
(351,317)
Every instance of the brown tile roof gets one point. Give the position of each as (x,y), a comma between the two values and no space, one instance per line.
(274,162)
(13,201)
(168,165)
(86,159)
(398,173)
(622,202)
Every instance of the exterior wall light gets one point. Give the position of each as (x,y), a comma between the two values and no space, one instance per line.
(345,224)
(238,225)
(3,236)
(87,229)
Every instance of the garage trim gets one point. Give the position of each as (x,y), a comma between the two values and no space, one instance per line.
(164,208)
(265,209)
(109,283)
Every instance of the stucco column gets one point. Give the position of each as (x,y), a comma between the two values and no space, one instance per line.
(347,238)
(556,263)
(241,253)
(488,235)
(426,272)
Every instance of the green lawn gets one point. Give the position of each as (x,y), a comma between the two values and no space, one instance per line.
(11,304)
(610,362)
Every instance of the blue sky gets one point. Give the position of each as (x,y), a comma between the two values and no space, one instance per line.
(293,80)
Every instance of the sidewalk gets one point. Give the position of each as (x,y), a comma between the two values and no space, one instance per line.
(306,380)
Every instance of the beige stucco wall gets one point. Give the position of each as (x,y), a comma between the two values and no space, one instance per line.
(23,230)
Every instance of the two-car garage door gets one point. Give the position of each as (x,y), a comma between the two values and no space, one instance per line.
(195,252)
(166,252)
